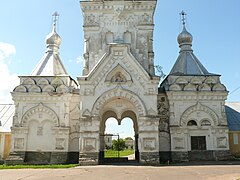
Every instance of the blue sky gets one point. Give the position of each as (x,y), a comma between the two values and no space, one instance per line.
(214,24)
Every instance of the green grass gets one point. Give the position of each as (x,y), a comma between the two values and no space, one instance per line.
(54,166)
(114,154)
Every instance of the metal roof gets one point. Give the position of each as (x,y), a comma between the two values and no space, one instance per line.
(6,117)
(188,64)
(49,65)
(233,115)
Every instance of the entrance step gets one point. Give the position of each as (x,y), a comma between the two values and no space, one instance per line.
(15,158)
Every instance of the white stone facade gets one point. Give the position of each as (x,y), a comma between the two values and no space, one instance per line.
(54,118)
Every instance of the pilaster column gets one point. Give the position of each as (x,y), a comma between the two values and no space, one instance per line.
(89,141)
(149,140)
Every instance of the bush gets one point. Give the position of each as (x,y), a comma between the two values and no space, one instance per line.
(118,144)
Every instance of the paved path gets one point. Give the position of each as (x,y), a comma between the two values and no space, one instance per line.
(208,172)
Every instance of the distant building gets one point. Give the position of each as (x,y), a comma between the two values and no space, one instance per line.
(6,117)
(130,144)
(233,117)
(108,141)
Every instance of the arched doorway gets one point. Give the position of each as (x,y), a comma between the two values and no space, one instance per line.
(119,104)
(120,130)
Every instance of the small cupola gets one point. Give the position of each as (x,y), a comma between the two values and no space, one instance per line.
(53,40)
(184,38)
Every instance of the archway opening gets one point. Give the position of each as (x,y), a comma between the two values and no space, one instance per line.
(119,138)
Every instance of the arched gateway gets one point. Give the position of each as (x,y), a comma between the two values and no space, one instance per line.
(118,104)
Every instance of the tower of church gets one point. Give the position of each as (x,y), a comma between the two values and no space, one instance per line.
(40,130)
(118,77)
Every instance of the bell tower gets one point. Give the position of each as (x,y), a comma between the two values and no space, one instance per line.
(108,22)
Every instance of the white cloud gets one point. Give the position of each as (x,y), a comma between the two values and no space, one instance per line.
(7,80)
(6,50)
(79,59)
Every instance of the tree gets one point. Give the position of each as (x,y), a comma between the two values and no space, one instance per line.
(159,72)
(128,138)
(118,144)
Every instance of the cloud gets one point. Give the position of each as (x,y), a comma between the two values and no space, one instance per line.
(6,50)
(79,59)
(7,80)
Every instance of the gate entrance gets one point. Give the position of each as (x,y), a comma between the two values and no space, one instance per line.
(119,142)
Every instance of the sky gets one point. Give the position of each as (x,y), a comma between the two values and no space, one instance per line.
(214,24)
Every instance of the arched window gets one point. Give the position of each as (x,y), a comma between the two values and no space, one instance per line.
(205,123)
(191,123)
(127,37)
(109,37)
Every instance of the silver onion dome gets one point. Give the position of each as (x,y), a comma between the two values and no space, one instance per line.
(53,39)
(184,38)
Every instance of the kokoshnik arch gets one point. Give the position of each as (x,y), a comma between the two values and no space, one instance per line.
(55,121)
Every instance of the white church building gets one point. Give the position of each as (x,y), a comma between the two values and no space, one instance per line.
(62,120)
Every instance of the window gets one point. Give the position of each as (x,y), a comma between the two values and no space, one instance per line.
(192,123)
(198,142)
(235,138)
(205,123)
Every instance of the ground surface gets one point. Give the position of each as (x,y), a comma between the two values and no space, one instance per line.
(189,172)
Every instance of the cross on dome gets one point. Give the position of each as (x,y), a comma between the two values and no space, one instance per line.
(183,15)
(55,16)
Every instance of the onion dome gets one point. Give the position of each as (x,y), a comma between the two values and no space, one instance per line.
(184,38)
(53,40)
(51,64)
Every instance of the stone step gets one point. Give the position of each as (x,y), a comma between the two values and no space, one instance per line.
(15,158)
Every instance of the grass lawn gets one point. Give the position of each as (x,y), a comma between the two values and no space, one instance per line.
(114,154)
(54,166)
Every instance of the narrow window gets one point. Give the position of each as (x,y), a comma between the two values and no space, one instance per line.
(235,138)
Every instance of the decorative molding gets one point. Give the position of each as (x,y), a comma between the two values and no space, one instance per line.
(89,144)
(221,142)
(119,93)
(86,113)
(179,143)
(149,144)
(20,88)
(198,108)
(60,143)
(39,109)
(19,143)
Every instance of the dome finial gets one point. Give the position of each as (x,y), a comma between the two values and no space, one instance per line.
(184,38)
(53,40)
(183,15)
(55,15)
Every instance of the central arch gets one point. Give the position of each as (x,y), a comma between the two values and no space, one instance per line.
(103,134)
(118,107)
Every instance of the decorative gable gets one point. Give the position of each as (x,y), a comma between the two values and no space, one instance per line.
(118,75)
